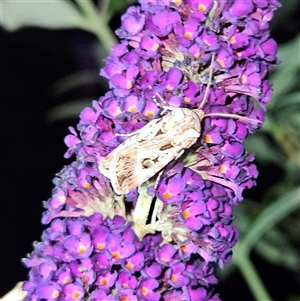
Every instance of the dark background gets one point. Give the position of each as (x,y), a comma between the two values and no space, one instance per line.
(32,60)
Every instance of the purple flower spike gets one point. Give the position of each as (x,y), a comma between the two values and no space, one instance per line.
(46,269)
(198,294)
(75,227)
(269,49)
(150,43)
(203,6)
(56,230)
(133,104)
(230,170)
(151,110)
(208,61)
(214,137)
(58,200)
(233,149)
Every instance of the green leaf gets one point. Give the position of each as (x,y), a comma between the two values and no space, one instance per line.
(285,77)
(278,250)
(67,110)
(248,271)
(264,150)
(117,6)
(48,14)
(294,298)
(288,111)
(269,216)
(291,99)
(55,14)
(75,80)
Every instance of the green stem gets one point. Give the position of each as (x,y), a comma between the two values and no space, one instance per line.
(250,274)
(97,24)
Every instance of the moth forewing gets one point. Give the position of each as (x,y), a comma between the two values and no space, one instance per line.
(107,162)
(141,161)
(147,132)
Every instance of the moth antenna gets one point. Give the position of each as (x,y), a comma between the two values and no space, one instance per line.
(124,135)
(228,115)
(208,82)
(161,99)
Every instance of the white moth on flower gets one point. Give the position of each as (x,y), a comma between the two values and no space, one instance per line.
(147,151)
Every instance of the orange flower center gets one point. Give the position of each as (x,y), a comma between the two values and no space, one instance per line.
(167,194)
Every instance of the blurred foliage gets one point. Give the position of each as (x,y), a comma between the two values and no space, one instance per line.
(269,226)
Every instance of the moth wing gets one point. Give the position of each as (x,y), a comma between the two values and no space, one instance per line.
(104,167)
(108,164)
(146,132)
(149,130)
(186,139)
(142,161)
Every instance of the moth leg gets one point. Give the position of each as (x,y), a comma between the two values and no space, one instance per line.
(158,207)
(164,104)
(234,116)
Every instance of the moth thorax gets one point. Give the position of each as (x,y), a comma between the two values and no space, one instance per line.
(199,113)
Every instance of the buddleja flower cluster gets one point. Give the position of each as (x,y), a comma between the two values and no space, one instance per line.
(212,55)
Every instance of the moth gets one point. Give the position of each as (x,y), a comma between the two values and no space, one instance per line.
(147,151)
(150,149)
